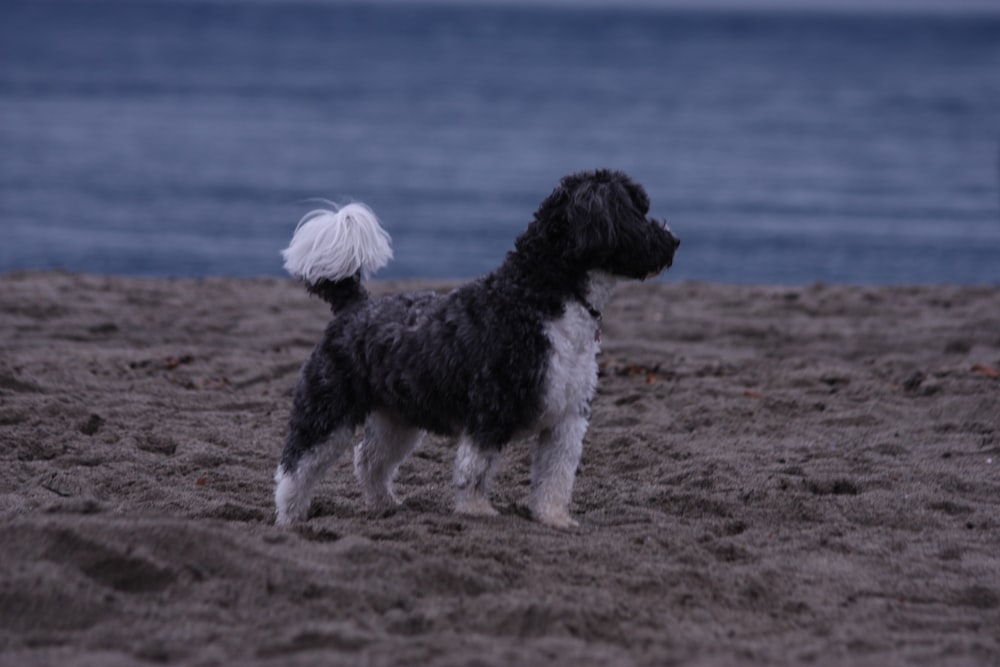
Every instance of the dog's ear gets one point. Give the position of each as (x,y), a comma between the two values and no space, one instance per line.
(639,196)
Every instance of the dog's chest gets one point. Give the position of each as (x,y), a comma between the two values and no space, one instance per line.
(571,376)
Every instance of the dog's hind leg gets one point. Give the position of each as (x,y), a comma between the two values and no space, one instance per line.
(553,470)
(301,469)
(474,470)
(321,427)
(386,444)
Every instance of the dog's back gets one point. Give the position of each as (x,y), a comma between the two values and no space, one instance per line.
(472,360)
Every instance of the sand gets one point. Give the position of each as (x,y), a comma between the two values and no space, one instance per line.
(772,476)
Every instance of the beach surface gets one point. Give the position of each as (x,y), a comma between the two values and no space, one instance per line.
(773,475)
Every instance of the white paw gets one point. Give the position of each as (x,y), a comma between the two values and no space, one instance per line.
(286,517)
(475,506)
(383,502)
(291,503)
(561,520)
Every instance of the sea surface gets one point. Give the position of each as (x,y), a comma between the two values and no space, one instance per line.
(184,138)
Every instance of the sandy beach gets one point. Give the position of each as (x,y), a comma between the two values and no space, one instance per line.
(773,475)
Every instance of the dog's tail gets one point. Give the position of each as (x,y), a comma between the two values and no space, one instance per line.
(332,249)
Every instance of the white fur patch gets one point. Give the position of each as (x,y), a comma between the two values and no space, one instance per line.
(336,244)
(572,372)
(572,376)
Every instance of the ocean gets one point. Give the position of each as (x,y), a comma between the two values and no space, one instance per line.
(185,138)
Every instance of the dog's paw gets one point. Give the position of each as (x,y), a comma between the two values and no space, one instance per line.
(383,502)
(288,518)
(561,520)
(475,506)
(385,507)
(289,510)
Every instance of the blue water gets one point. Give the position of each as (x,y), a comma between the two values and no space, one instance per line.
(183,138)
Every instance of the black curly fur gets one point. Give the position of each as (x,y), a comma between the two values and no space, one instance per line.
(474,360)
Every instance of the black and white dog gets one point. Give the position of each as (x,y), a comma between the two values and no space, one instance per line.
(510,354)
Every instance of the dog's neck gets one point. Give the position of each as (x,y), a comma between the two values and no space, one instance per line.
(600,285)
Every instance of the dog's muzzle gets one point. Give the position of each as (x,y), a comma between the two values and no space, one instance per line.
(653,253)
(673,243)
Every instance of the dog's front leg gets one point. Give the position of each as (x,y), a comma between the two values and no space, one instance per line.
(474,469)
(553,469)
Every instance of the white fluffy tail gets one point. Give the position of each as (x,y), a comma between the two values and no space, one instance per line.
(337,244)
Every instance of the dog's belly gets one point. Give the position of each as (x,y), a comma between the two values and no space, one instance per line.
(571,376)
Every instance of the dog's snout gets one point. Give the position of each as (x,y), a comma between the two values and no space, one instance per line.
(673,242)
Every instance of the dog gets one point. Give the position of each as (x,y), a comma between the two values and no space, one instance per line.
(508,355)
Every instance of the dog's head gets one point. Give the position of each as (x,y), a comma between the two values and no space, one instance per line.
(597,220)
